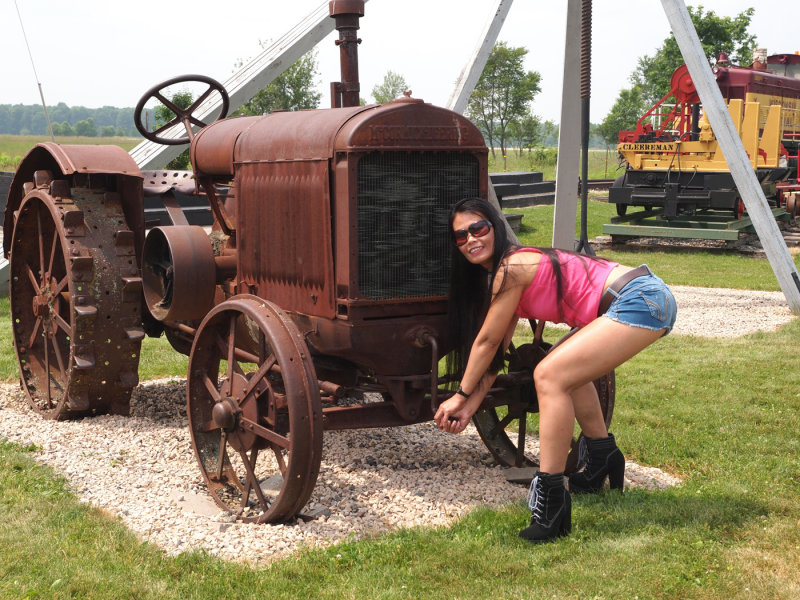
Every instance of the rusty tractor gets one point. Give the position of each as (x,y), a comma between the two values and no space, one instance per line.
(317,300)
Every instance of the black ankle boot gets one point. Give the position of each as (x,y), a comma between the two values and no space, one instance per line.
(551,509)
(603,460)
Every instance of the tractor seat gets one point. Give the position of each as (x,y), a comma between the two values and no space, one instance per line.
(157,183)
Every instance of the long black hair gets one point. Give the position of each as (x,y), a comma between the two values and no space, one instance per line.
(471,285)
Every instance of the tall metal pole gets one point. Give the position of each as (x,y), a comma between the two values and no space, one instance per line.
(36,75)
(586,85)
(736,157)
(568,135)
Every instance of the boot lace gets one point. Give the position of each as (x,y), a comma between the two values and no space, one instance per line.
(583,451)
(536,499)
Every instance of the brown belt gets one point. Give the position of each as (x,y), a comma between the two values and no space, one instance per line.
(617,285)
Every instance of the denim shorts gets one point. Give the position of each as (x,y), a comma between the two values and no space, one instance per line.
(644,302)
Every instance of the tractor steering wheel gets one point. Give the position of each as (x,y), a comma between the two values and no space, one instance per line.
(182,115)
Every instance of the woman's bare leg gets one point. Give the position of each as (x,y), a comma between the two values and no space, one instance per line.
(588,411)
(561,383)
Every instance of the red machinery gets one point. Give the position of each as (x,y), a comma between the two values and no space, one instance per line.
(672,157)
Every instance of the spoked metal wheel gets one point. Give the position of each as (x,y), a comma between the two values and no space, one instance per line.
(793,205)
(505,430)
(254,409)
(75,300)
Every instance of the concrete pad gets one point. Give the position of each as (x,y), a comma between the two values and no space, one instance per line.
(195,503)
(520,474)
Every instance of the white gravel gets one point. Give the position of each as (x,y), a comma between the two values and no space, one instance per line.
(142,468)
(720,312)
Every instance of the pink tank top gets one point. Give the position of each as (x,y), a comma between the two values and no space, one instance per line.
(582,282)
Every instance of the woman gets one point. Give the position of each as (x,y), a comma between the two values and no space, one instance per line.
(493,284)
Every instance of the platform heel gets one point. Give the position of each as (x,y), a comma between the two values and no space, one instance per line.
(603,460)
(551,509)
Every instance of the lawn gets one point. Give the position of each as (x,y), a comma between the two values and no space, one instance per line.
(14,147)
(722,414)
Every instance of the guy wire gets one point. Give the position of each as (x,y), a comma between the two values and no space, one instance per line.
(35,74)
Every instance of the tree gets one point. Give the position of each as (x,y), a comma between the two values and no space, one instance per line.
(291,90)
(393,85)
(86,128)
(525,132)
(60,112)
(164,115)
(108,131)
(627,110)
(38,122)
(717,34)
(503,94)
(549,133)
(66,129)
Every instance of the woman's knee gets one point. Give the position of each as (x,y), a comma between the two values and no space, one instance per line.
(545,378)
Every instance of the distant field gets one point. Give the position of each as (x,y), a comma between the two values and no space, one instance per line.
(14,147)
(602,163)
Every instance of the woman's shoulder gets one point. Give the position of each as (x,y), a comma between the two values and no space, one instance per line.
(523,256)
(518,268)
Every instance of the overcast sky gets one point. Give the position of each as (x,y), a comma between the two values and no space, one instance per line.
(100,52)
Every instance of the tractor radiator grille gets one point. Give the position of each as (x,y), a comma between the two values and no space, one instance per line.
(403,203)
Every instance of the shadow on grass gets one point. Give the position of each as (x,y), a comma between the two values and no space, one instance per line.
(669,510)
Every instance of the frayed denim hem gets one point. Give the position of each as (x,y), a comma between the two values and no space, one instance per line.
(616,320)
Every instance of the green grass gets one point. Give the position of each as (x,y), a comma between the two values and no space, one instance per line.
(692,266)
(13,148)
(602,164)
(722,414)
(159,359)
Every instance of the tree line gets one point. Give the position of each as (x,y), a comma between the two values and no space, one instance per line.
(29,119)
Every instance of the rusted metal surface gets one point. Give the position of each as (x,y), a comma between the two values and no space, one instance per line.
(256,419)
(282,136)
(347,14)
(178,273)
(162,181)
(69,160)
(75,299)
(284,239)
(342,222)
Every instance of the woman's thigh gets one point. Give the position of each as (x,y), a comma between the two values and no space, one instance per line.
(593,351)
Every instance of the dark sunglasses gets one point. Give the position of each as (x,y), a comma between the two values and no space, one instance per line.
(477,229)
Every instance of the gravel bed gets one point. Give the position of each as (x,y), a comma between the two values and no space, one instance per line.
(723,313)
(142,468)
(720,312)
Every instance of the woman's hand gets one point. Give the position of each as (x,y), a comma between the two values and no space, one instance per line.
(454,414)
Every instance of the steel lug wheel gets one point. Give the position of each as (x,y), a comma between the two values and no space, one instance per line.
(75,300)
(254,409)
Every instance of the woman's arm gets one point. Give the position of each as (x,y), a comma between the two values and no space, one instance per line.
(454,414)
(500,317)
(498,326)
